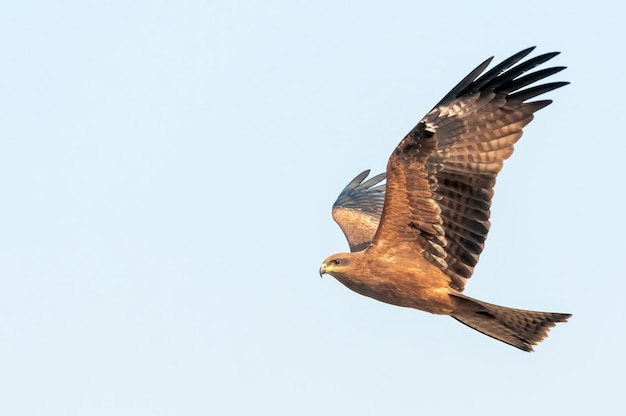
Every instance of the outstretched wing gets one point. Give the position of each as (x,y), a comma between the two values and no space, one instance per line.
(441,176)
(358,208)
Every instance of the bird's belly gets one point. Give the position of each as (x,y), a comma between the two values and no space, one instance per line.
(411,290)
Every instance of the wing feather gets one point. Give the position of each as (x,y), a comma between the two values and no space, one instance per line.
(440,177)
(358,208)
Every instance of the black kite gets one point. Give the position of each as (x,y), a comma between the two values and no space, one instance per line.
(415,241)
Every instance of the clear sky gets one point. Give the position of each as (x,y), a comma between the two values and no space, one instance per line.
(166,176)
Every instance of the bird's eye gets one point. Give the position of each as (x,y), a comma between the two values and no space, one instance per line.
(336,261)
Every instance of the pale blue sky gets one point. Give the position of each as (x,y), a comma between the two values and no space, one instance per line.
(167,171)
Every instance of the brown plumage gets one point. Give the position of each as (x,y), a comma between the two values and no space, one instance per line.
(417,246)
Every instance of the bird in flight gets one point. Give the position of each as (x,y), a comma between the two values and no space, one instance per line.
(415,240)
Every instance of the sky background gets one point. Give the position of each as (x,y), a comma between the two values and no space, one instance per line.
(166,176)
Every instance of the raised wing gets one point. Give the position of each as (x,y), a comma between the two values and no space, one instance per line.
(441,176)
(358,208)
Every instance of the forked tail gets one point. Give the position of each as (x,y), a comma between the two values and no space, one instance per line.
(516,327)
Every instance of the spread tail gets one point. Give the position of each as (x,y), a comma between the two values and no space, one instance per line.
(519,328)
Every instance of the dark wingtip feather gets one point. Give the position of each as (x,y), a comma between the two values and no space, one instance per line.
(529,93)
(512,85)
(538,105)
(465,82)
(494,72)
(505,78)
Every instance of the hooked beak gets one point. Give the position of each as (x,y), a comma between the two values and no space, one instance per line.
(323,270)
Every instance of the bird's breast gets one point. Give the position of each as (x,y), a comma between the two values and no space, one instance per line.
(418,285)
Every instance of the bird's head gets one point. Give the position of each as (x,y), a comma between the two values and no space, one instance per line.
(336,265)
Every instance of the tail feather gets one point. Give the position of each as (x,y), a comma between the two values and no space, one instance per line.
(519,328)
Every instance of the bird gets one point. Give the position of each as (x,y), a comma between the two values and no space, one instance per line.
(415,239)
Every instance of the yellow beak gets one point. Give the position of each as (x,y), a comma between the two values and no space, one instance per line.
(323,270)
